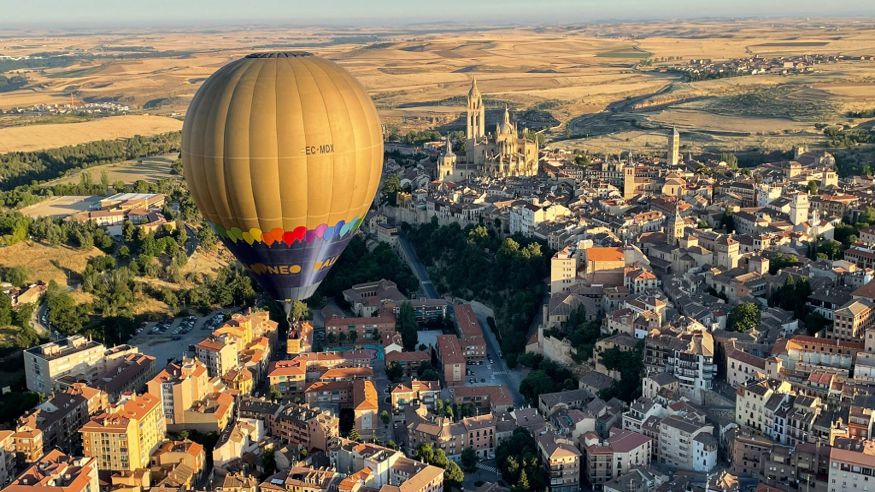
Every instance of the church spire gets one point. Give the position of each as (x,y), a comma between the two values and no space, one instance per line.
(449,150)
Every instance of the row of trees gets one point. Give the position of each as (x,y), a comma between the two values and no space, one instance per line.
(474,263)
(19,168)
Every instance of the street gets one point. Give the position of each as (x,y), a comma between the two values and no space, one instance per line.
(497,372)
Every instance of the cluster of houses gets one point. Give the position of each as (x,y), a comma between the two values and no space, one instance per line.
(660,252)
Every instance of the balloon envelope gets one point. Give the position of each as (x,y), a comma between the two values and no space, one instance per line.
(283,153)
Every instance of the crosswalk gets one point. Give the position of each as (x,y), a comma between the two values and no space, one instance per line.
(487,468)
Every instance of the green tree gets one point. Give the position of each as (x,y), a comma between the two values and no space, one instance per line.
(391,187)
(207,239)
(522,485)
(354,435)
(469,459)
(15,275)
(453,475)
(744,317)
(5,310)
(730,159)
(394,372)
(385,417)
(299,310)
(407,326)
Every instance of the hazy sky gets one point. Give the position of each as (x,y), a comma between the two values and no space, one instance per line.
(52,13)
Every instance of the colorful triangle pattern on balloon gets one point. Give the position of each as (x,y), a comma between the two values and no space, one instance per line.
(279,236)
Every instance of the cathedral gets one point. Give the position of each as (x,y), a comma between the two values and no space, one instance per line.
(506,152)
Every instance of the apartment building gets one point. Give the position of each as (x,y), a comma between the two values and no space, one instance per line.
(74,356)
(471,333)
(486,398)
(55,423)
(365,407)
(127,375)
(451,359)
(852,319)
(303,426)
(852,469)
(125,435)
(807,354)
(366,328)
(687,444)
(561,461)
(218,353)
(58,472)
(477,432)
(425,392)
(409,361)
(607,459)
(379,468)
(752,403)
(190,398)
(7,456)
(292,376)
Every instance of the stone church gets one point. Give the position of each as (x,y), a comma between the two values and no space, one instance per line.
(505,152)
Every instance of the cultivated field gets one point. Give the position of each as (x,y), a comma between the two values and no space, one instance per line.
(39,137)
(587,77)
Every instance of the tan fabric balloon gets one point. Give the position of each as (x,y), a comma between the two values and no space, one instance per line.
(281,142)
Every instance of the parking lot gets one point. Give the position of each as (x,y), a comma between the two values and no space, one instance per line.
(169,339)
(482,374)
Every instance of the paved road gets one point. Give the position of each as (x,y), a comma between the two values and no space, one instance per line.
(418,268)
(499,370)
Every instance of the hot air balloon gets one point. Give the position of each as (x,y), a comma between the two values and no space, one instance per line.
(282,153)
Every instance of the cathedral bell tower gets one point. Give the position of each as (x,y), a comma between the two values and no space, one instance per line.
(476,114)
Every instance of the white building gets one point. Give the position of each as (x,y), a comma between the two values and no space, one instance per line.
(73,356)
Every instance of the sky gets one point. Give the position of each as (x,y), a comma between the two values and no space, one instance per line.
(155,13)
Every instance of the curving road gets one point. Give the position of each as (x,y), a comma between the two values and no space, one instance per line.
(498,368)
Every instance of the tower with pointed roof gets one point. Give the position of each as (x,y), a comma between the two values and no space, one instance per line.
(674,147)
(476,126)
(675,230)
(446,166)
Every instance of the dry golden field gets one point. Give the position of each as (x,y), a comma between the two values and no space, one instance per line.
(39,137)
(417,77)
(47,263)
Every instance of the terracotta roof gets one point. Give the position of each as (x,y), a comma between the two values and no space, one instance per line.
(604,254)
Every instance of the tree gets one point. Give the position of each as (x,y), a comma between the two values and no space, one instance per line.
(299,310)
(391,187)
(353,336)
(453,475)
(394,372)
(730,159)
(522,485)
(469,459)
(385,417)
(5,310)
(744,317)
(812,187)
(207,238)
(407,326)
(354,435)
(15,275)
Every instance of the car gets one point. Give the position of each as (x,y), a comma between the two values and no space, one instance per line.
(482,380)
